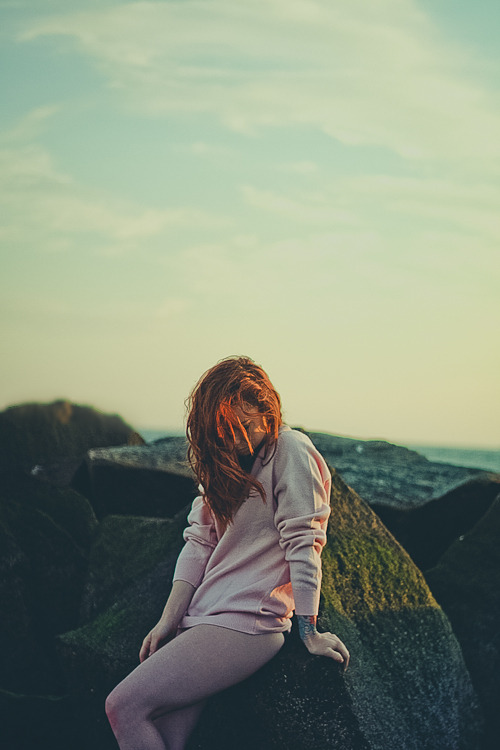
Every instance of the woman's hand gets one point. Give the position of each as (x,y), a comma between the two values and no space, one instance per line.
(162,632)
(177,604)
(322,644)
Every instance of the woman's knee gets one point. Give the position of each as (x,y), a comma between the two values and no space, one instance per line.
(113,707)
(120,706)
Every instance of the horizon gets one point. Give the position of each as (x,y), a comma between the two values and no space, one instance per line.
(313,184)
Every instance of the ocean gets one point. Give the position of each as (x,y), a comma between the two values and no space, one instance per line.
(476,458)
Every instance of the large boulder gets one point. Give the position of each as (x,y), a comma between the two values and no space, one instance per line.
(407,686)
(54,437)
(426,532)
(389,474)
(46,533)
(381,472)
(125,550)
(141,480)
(45,536)
(466,583)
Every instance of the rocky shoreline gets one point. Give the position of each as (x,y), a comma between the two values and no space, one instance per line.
(91,523)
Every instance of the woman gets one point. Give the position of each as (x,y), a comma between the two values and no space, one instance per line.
(251,557)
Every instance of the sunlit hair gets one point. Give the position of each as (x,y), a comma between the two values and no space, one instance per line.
(213,428)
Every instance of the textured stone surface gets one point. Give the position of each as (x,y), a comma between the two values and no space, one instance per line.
(45,535)
(389,474)
(426,532)
(379,471)
(135,480)
(466,583)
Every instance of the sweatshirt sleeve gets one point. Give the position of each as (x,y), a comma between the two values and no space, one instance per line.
(302,484)
(201,538)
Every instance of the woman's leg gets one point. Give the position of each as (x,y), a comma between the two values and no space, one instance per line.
(198,663)
(176,726)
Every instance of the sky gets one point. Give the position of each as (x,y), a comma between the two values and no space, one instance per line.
(312,183)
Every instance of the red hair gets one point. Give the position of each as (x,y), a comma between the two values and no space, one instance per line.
(212,428)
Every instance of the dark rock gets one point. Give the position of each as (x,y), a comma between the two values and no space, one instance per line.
(139,480)
(126,549)
(407,686)
(45,536)
(35,435)
(381,472)
(32,722)
(466,583)
(389,474)
(426,532)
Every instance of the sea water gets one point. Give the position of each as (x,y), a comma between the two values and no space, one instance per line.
(476,458)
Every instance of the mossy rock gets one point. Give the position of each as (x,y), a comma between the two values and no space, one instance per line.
(134,480)
(407,686)
(466,583)
(426,532)
(125,549)
(37,434)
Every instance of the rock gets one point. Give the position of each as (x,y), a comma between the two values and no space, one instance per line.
(46,534)
(407,686)
(49,434)
(382,473)
(388,474)
(140,480)
(125,549)
(426,532)
(466,583)
(37,721)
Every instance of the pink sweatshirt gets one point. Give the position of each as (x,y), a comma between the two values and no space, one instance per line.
(267,562)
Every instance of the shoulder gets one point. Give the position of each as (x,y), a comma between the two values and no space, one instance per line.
(294,441)
(296,447)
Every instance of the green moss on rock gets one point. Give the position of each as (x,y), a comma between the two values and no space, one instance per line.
(125,549)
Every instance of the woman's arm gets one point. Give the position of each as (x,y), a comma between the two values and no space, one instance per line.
(201,538)
(166,628)
(302,489)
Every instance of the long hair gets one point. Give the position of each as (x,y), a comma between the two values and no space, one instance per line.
(213,427)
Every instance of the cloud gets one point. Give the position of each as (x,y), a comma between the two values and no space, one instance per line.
(210,150)
(46,209)
(29,126)
(310,208)
(362,73)
(391,204)
(304,168)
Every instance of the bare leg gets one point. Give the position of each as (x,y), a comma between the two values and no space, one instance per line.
(176,726)
(198,663)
